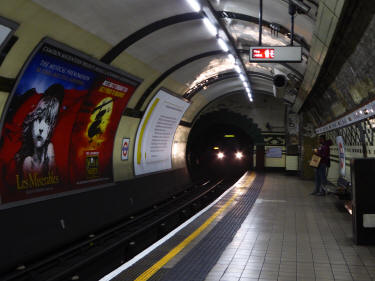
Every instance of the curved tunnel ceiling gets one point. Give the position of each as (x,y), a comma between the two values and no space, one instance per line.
(169,47)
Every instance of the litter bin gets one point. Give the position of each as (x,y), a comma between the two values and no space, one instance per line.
(363,196)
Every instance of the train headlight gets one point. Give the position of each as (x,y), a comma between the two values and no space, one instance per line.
(220,155)
(239,155)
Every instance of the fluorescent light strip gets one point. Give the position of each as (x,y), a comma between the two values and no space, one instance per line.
(242,78)
(194,5)
(223,45)
(237,69)
(210,27)
(232,59)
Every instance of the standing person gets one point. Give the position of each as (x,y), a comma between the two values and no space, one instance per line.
(321,171)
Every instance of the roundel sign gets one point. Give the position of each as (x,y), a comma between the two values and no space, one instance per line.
(125,149)
(340,144)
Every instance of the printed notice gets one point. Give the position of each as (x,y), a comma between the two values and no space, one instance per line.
(156,131)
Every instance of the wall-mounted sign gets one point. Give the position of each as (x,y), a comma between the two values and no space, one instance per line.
(7,28)
(276,54)
(340,144)
(125,149)
(60,122)
(153,144)
(274,152)
(361,113)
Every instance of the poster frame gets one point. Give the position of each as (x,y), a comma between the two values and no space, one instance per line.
(114,72)
(12,25)
(124,76)
(139,125)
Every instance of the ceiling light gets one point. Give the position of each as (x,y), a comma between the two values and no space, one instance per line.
(250,97)
(237,68)
(223,45)
(231,58)
(210,27)
(194,5)
(242,77)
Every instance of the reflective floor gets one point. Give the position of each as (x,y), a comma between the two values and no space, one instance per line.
(281,234)
(291,235)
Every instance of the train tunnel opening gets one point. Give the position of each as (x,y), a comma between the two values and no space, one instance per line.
(220,145)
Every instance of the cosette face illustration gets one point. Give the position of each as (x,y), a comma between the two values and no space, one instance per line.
(40,131)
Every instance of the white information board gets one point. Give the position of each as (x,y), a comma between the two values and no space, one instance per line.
(4,33)
(274,152)
(153,144)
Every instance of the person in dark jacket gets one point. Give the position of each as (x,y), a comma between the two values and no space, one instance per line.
(321,171)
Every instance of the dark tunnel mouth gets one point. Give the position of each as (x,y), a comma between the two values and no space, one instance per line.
(204,146)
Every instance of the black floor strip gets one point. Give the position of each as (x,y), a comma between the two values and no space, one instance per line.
(196,264)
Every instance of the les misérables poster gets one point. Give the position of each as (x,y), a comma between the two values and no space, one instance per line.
(60,125)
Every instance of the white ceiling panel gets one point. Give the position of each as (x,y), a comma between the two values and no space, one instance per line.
(190,72)
(171,45)
(273,11)
(114,20)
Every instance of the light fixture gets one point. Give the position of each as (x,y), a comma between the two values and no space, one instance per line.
(239,155)
(231,58)
(210,27)
(220,155)
(229,136)
(223,45)
(242,78)
(216,148)
(250,97)
(194,5)
(237,68)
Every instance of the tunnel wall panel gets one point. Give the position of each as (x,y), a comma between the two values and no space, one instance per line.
(124,169)
(45,226)
(350,88)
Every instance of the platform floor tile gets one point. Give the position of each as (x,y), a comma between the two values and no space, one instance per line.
(286,235)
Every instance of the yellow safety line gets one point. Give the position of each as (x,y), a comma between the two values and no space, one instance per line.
(139,152)
(153,269)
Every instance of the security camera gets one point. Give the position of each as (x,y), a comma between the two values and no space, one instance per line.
(301,7)
(279,78)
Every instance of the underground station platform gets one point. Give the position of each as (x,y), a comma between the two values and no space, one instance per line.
(265,227)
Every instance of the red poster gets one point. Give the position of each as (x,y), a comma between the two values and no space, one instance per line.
(94,132)
(59,128)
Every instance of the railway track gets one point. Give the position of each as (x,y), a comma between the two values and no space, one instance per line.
(100,253)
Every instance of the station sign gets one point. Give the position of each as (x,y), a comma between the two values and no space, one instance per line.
(276,54)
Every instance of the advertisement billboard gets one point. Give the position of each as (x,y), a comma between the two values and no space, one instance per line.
(153,144)
(60,122)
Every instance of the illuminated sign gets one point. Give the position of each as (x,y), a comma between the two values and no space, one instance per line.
(267,53)
(276,54)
